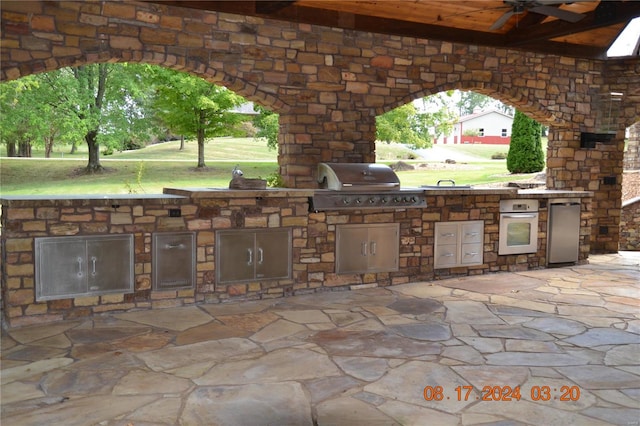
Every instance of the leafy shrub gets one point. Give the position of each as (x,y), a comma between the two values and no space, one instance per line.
(275,180)
(499,156)
(525,150)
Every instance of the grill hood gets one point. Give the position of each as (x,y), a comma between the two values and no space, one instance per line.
(357,177)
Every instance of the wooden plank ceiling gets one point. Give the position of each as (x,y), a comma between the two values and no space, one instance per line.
(518,24)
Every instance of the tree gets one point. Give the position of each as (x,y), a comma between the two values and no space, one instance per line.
(14,126)
(193,107)
(109,100)
(101,104)
(418,129)
(525,150)
(268,126)
(30,115)
(399,125)
(469,101)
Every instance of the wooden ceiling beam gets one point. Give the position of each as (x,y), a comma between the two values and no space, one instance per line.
(532,38)
(606,14)
(266,7)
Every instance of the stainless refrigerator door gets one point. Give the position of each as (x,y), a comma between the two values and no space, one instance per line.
(564,232)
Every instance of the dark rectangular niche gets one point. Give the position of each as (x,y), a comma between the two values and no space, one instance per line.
(589,140)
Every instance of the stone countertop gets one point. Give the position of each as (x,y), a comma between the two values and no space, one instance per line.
(89,199)
(292,192)
(182,195)
(238,193)
(467,191)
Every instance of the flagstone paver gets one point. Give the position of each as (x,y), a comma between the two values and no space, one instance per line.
(413,354)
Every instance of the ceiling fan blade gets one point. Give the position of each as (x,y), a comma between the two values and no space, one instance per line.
(565,15)
(502,20)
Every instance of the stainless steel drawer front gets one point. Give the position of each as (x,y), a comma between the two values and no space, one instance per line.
(174,260)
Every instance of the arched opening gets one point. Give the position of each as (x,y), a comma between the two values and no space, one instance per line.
(464,135)
(126,107)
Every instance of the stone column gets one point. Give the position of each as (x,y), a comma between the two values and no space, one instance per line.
(599,169)
(632,156)
(340,136)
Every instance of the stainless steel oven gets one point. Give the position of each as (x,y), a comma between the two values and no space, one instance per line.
(518,227)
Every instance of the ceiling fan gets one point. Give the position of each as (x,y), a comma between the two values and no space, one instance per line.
(542,7)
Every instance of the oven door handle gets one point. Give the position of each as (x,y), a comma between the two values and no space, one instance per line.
(520,216)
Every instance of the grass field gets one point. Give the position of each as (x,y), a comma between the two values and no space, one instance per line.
(151,169)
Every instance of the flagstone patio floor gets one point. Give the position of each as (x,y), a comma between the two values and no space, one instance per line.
(546,347)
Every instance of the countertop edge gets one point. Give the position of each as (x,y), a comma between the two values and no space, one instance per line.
(238,193)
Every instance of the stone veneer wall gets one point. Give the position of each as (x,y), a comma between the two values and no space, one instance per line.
(630,225)
(313,247)
(329,84)
(632,156)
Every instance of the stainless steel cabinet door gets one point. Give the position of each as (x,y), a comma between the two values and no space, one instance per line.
(61,267)
(235,256)
(83,265)
(367,248)
(351,249)
(273,254)
(109,262)
(384,248)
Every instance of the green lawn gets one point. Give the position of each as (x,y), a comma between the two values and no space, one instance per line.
(151,169)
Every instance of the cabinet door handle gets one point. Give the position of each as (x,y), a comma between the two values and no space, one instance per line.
(372,248)
(473,253)
(448,234)
(363,248)
(174,246)
(79,260)
(447,255)
(250,261)
(260,256)
(471,234)
(93,266)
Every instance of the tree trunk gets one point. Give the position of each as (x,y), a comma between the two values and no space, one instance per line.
(74,148)
(181,142)
(48,147)
(24,149)
(11,149)
(201,140)
(201,149)
(94,165)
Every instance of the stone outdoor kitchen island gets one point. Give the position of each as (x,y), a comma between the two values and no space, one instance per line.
(208,213)
(328,85)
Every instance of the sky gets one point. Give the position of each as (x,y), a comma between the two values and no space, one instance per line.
(628,39)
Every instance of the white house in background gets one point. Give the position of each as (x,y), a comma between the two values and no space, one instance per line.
(482,127)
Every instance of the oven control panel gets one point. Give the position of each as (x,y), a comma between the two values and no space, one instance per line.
(332,200)
(517,206)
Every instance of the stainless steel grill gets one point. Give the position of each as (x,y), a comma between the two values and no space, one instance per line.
(362,186)
(357,177)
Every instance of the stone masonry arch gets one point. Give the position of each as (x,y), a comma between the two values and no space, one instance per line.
(328,84)
(531,107)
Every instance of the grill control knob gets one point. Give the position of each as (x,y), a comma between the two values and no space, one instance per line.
(358,201)
(383,200)
(414,200)
(372,200)
(345,200)
(396,199)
